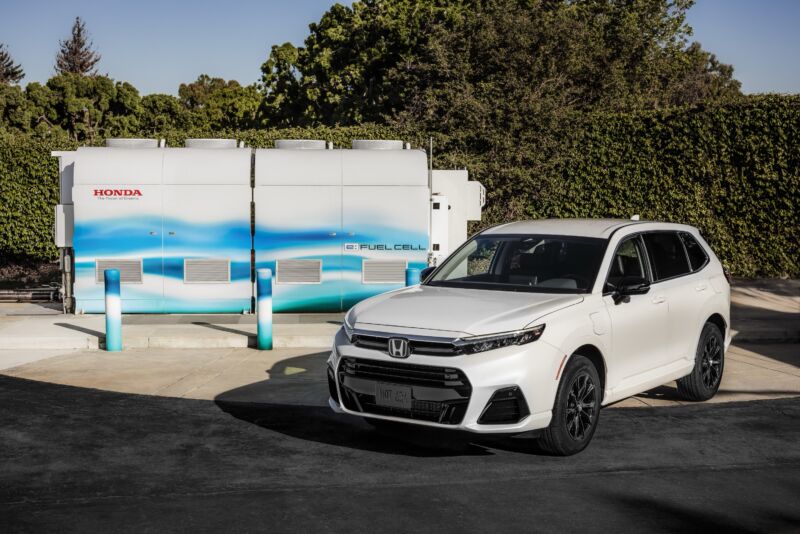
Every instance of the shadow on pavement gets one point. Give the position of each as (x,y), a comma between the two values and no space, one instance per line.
(77,328)
(294,402)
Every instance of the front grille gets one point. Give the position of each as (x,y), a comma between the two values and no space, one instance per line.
(427,348)
(439,394)
(507,406)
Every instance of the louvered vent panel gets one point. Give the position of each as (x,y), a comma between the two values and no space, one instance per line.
(197,271)
(299,271)
(384,272)
(130,271)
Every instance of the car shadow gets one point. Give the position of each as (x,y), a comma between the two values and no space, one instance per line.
(294,402)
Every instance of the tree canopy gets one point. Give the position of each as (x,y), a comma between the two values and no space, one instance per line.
(482,71)
(434,60)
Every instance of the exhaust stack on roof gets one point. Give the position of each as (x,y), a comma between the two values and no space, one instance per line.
(300,144)
(210,143)
(118,142)
(377,144)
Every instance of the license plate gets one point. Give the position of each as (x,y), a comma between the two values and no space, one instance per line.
(393,396)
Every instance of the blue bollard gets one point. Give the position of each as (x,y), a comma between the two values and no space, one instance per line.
(113,311)
(264,308)
(412,276)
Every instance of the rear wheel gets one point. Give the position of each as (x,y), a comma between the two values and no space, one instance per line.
(704,380)
(576,410)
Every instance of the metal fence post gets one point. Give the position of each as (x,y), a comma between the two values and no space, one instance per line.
(412,276)
(264,308)
(113,311)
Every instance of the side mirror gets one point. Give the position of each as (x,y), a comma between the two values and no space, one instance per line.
(424,273)
(631,285)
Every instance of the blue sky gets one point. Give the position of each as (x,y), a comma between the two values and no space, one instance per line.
(156,45)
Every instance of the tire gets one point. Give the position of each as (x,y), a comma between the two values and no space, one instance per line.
(709,363)
(573,425)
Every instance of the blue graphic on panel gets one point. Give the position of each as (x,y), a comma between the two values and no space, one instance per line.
(162,261)
(342,260)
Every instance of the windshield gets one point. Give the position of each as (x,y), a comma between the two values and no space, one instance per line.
(535,263)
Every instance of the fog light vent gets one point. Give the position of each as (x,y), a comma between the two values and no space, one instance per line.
(332,386)
(506,407)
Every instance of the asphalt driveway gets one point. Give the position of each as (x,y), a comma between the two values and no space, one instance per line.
(77,459)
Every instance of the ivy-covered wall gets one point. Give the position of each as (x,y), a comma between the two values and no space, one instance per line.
(733,171)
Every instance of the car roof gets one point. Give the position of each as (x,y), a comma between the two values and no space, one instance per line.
(602,228)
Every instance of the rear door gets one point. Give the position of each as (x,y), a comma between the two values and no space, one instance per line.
(673,280)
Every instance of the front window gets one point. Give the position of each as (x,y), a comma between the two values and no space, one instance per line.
(534,263)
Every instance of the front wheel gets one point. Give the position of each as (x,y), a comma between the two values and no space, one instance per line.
(704,380)
(576,409)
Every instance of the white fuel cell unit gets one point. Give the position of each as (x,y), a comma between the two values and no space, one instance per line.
(188,226)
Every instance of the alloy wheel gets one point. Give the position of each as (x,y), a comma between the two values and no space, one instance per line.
(711,362)
(581,407)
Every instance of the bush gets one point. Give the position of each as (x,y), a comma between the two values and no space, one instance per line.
(732,170)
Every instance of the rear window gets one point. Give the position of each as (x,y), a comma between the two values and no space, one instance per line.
(697,256)
(667,256)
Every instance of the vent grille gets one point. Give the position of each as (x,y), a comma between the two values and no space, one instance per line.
(298,271)
(197,271)
(384,272)
(130,271)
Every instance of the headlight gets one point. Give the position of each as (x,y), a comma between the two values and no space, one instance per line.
(473,344)
(347,324)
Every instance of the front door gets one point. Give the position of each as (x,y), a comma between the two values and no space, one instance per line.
(639,327)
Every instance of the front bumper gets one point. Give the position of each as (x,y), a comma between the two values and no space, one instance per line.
(459,390)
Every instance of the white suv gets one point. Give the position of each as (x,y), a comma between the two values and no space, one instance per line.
(534,325)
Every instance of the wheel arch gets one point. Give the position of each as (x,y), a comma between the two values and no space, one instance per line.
(719,321)
(594,355)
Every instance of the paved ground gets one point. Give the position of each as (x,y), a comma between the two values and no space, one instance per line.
(81,460)
(752,372)
(236,439)
(762,311)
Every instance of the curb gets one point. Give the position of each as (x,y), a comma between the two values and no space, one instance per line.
(161,342)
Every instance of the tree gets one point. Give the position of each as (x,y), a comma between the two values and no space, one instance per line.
(76,55)
(384,60)
(220,104)
(341,70)
(91,107)
(10,72)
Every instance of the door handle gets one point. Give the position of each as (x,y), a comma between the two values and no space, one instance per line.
(700,287)
(153,233)
(659,299)
(351,234)
(171,233)
(332,234)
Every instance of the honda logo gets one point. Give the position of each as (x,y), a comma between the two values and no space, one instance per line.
(398,347)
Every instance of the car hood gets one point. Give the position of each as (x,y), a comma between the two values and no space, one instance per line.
(456,310)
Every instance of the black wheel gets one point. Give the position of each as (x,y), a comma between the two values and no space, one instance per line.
(703,382)
(576,409)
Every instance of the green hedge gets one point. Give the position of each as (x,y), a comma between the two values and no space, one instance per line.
(28,194)
(733,171)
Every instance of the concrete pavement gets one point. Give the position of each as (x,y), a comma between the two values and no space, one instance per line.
(20,331)
(84,460)
(752,372)
(762,311)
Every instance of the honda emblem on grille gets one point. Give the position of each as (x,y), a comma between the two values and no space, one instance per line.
(398,347)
